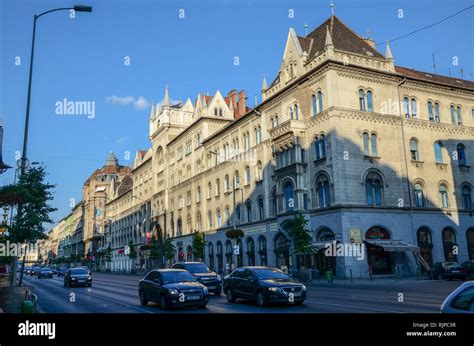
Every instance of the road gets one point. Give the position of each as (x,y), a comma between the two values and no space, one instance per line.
(117,293)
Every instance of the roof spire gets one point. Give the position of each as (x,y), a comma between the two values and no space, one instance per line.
(152,112)
(166,99)
(332,8)
(264,84)
(388,52)
(306,28)
(328,41)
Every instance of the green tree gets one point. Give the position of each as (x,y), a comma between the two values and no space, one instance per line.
(169,249)
(32,195)
(108,255)
(301,239)
(198,244)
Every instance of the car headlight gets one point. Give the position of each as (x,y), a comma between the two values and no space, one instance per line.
(205,290)
(219,277)
(174,292)
(304,288)
(273,289)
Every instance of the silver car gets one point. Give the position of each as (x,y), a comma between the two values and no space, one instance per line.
(461,300)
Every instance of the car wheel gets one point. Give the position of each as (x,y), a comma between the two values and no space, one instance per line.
(163,305)
(89,285)
(230,296)
(203,306)
(143,301)
(261,299)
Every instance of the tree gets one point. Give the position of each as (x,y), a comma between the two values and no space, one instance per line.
(169,249)
(108,255)
(234,234)
(300,237)
(33,195)
(133,254)
(198,244)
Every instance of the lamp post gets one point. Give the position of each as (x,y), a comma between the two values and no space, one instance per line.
(23,163)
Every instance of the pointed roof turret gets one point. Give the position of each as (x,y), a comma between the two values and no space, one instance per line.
(152,112)
(111,160)
(328,41)
(264,83)
(388,52)
(166,99)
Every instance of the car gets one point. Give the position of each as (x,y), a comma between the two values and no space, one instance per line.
(45,273)
(447,270)
(172,288)
(265,285)
(54,270)
(62,271)
(28,270)
(35,271)
(203,274)
(461,300)
(77,277)
(468,268)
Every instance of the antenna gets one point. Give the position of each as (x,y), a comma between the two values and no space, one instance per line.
(332,8)
(434,62)
(306,28)
(462,72)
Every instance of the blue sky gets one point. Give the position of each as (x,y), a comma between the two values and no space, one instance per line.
(82,59)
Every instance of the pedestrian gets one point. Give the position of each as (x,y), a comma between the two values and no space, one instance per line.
(371,268)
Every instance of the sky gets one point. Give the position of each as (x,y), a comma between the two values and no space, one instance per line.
(119,58)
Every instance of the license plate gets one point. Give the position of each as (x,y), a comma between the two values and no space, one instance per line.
(82,280)
(193,297)
(454,271)
(211,287)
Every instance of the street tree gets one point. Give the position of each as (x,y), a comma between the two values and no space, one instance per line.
(198,245)
(300,237)
(169,249)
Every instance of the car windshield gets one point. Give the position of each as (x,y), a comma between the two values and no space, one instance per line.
(451,264)
(264,274)
(197,268)
(78,271)
(171,277)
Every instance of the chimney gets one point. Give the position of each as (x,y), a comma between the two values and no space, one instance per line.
(232,95)
(241,107)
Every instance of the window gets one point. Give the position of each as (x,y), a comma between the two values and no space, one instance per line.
(218,187)
(210,247)
(373,144)
(219,218)
(261,209)
(374,187)
(248,207)
(438,149)
(288,191)
(226,183)
(413,108)
(198,141)
(453,114)
(370,107)
(209,190)
(458,113)
(426,245)
(461,153)
(466,197)
(320,101)
(320,147)
(464,300)
(323,191)
(449,245)
(262,250)
(274,202)
(237,213)
(370,147)
(296,112)
(198,194)
(436,112)
(198,221)
(259,171)
(430,111)
(365,137)
(273,122)
(443,195)
(362,100)
(227,215)
(236,180)
(251,251)
(247,175)
(209,219)
(314,105)
(291,112)
(419,195)
(414,150)
(406,107)
(276,120)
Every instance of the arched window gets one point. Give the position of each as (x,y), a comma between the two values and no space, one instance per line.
(228,251)
(430,111)
(240,256)
(220,265)
(466,197)
(314,104)
(291,112)
(227,215)
(209,219)
(297,116)
(449,245)
(406,107)
(374,189)
(443,196)
(452,110)
(276,120)
(219,218)
(362,100)
(209,190)
(373,144)
(262,250)
(236,180)
(273,122)
(251,251)
(438,150)
(218,187)
(370,106)
(179,226)
(198,221)
(261,209)
(226,182)
(320,101)
(320,147)
(461,153)
(210,248)
(323,191)
(288,191)
(459,118)
(365,137)
(470,243)
(189,224)
(414,150)
(413,108)
(248,207)
(436,112)
(189,253)
(419,195)
(247,175)
(426,245)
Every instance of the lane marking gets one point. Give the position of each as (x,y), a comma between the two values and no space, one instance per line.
(353,306)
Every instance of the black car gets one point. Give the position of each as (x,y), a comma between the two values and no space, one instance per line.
(203,274)
(35,271)
(45,273)
(77,277)
(447,270)
(263,284)
(54,270)
(172,288)
(62,271)
(468,268)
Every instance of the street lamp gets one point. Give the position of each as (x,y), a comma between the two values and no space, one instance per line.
(77,8)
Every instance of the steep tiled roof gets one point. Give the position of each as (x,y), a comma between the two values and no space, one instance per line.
(431,77)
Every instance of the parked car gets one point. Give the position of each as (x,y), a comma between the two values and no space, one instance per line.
(468,268)
(62,271)
(461,300)
(28,270)
(77,277)
(203,274)
(35,271)
(264,285)
(54,270)
(45,273)
(172,288)
(447,270)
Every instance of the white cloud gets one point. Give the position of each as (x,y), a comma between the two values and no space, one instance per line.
(140,103)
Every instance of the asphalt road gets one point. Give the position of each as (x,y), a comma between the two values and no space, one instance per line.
(117,293)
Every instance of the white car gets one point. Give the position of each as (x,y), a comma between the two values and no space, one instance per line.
(461,300)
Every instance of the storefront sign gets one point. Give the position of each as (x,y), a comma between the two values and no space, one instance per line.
(355,235)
